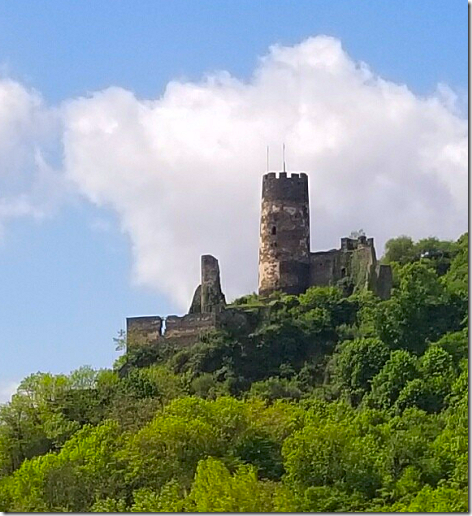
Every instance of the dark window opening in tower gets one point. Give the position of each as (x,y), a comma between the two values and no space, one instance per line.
(343,272)
(274,230)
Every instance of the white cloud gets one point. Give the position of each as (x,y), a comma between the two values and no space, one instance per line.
(183,171)
(7,389)
(29,130)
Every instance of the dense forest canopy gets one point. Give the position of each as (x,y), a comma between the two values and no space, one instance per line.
(333,404)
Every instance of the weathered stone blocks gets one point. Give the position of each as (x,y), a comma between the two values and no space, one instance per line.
(286,263)
(284,248)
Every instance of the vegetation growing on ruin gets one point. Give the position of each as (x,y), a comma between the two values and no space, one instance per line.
(332,404)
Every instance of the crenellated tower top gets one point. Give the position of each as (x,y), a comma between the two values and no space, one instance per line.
(281,186)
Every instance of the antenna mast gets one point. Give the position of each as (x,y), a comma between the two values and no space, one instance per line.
(283,155)
(267,159)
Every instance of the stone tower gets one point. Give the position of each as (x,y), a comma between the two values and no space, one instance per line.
(208,297)
(212,296)
(284,248)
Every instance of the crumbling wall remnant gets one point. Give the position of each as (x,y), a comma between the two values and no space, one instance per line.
(212,299)
(186,330)
(143,331)
(196,306)
(181,331)
(208,296)
(384,281)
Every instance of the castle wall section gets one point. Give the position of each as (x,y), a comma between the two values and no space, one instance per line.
(384,281)
(143,331)
(212,297)
(188,329)
(196,305)
(325,268)
(363,267)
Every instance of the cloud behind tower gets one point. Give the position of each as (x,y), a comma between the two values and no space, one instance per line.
(183,171)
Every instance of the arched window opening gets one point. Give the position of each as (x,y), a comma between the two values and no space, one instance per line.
(274,230)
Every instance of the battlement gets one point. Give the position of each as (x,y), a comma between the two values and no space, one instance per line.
(284,187)
(285,175)
(351,244)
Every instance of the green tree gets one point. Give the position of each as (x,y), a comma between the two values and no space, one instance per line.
(275,388)
(419,311)
(109,505)
(331,455)
(437,254)
(400,249)
(33,422)
(399,369)
(216,490)
(456,279)
(406,442)
(72,479)
(169,499)
(441,499)
(169,447)
(357,362)
(430,391)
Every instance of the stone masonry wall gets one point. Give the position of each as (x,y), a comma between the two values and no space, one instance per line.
(363,264)
(384,282)
(212,298)
(143,331)
(284,249)
(325,268)
(186,330)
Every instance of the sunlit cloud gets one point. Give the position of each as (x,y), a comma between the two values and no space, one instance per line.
(183,171)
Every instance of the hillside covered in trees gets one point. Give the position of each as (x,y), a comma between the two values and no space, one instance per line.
(333,404)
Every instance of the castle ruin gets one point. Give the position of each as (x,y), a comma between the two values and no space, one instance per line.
(286,264)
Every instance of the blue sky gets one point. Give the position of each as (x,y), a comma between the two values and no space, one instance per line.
(67,279)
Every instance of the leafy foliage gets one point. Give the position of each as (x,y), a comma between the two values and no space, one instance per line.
(331,403)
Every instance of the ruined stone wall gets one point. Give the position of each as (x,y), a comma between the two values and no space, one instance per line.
(325,268)
(357,262)
(212,298)
(196,305)
(384,281)
(363,267)
(284,249)
(188,329)
(143,331)
(352,243)
(180,331)
(208,296)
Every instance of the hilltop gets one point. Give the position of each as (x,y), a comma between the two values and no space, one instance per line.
(327,401)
